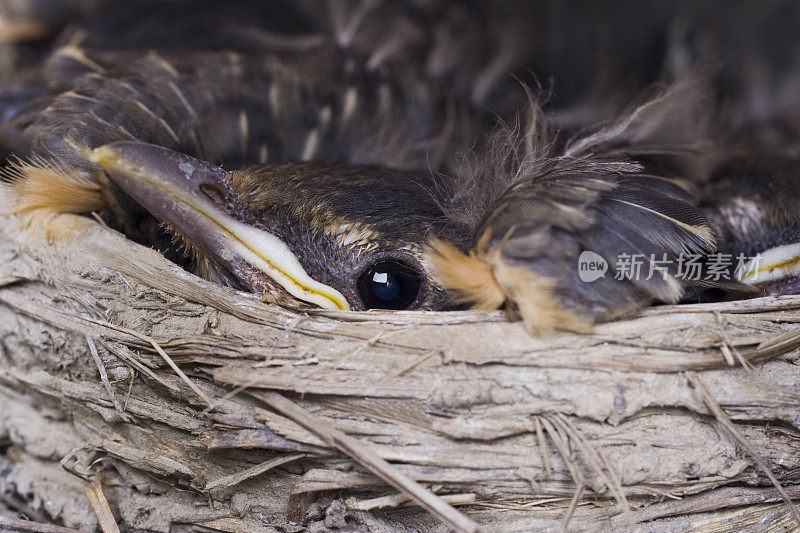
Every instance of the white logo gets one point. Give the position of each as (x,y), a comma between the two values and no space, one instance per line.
(591,266)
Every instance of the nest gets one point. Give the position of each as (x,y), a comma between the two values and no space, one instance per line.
(134,393)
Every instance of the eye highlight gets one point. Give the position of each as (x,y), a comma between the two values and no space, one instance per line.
(389,285)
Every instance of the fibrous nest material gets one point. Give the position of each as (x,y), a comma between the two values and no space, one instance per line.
(136,396)
(133,392)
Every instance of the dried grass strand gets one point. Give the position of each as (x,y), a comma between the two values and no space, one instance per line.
(563,449)
(167,359)
(548,469)
(9,523)
(104,377)
(573,504)
(596,460)
(364,456)
(257,470)
(728,424)
(714,500)
(94,491)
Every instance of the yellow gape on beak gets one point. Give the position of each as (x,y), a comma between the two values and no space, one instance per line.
(171,186)
(771,265)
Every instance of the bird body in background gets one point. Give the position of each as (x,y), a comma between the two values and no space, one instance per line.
(382,154)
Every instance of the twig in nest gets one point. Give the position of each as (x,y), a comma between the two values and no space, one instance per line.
(152,342)
(369,460)
(104,377)
(543,447)
(130,388)
(127,355)
(728,424)
(507,505)
(9,523)
(94,490)
(595,458)
(571,509)
(563,449)
(778,345)
(562,444)
(235,479)
(378,337)
(712,500)
(410,366)
(393,501)
(598,461)
(230,395)
(727,348)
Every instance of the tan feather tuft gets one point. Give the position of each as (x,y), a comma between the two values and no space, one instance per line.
(533,299)
(43,190)
(486,281)
(470,278)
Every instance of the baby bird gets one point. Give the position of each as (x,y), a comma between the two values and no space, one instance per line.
(316,165)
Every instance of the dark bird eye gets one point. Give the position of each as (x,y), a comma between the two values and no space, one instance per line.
(389,285)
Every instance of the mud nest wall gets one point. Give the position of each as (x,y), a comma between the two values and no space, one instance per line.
(133,392)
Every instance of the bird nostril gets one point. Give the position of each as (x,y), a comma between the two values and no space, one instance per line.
(212,192)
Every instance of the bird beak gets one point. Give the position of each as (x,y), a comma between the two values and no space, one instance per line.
(188,194)
(771,265)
